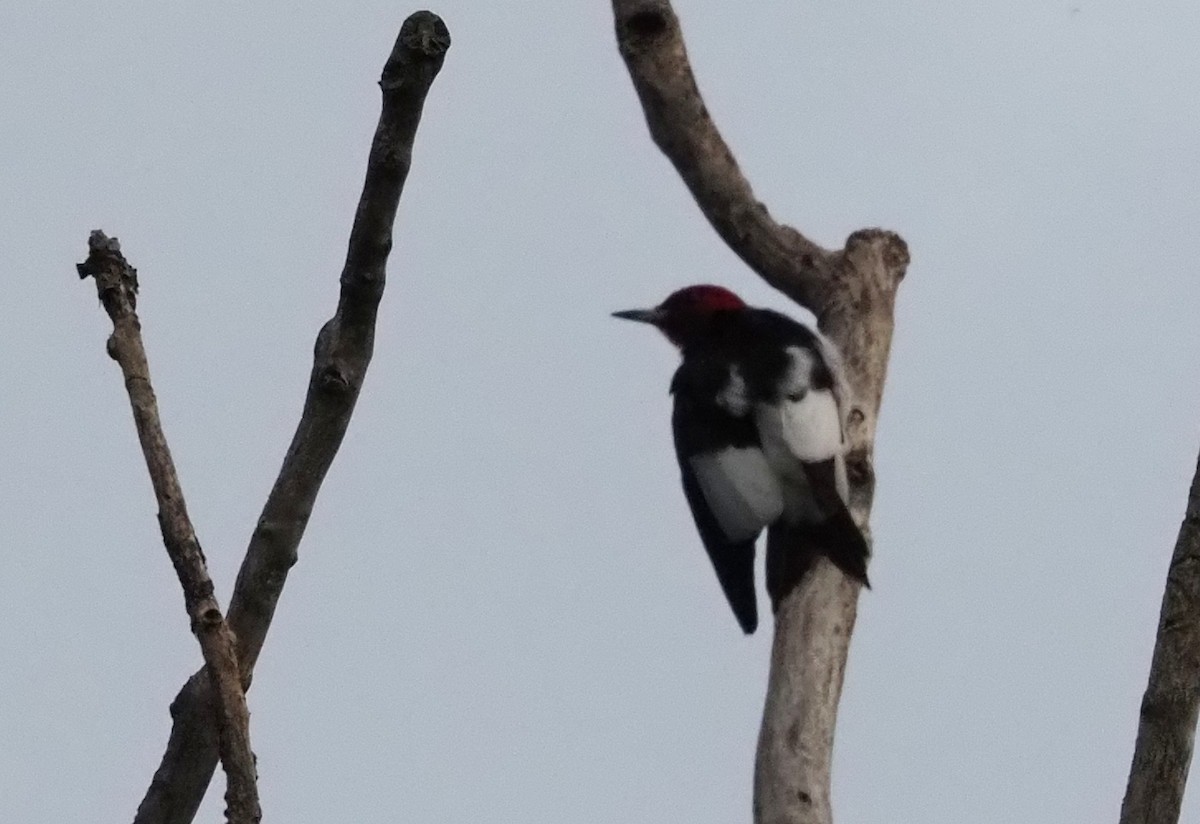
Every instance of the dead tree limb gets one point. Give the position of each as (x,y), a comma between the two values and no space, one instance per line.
(1167,724)
(342,353)
(117,285)
(852,293)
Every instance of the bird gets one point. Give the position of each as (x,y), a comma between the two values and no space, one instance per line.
(758,423)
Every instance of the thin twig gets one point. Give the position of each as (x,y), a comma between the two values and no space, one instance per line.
(116,282)
(1167,726)
(852,293)
(343,352)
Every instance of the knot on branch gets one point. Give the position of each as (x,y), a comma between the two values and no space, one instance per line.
(211,617)
(646,23)
(116,280)
(420,49)
(334,380)
(860,471)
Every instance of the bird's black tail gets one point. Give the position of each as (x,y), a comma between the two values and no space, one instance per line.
(791,549)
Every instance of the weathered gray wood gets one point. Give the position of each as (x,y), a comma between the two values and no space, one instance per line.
(852,292)
(1167,726)
(343,352)
(813,626)
(117,286)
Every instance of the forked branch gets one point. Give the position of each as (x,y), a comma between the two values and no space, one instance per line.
(852,292)
(343,352)
(117,285)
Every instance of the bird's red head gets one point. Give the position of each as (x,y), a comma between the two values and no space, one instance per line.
(685,315)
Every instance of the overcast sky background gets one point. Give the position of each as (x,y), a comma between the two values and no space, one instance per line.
(502,611)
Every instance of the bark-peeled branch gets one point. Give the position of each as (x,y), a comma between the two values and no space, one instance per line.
(852,292)
(117,286)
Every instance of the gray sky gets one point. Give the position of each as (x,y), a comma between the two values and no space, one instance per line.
(502,611)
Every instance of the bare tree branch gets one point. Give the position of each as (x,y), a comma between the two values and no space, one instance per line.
(852,292)
(651,42)
(1167,727)
(343,351)
(116,283)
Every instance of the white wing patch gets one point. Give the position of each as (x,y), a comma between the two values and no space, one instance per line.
(796,432)
(800,430)
(803,424)
(740,489)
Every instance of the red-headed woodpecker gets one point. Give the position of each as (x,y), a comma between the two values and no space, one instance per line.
(759,408)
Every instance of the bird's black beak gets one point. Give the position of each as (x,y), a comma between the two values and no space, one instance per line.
(651,316)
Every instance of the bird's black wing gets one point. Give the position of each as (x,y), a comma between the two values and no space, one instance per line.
(802,393)
(701,428)
(733,562)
